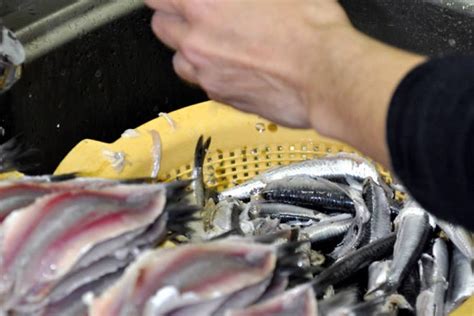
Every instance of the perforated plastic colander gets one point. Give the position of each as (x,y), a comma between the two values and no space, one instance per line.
(243,145)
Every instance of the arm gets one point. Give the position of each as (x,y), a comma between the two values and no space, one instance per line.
(302,64)
(298,63)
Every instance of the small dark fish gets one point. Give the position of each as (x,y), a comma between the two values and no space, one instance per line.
(359,230)
(379,208)
(303,191)
(354,262)
(414,229)
(328,229)
(198,184)
(286,212)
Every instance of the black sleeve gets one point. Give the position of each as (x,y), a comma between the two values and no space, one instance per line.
(430,133)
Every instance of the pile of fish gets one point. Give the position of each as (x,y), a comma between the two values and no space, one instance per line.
(60,240)
(319,237)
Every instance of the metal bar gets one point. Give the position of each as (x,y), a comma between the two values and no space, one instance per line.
(54,29)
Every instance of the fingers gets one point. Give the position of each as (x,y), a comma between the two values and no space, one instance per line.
(170,28)
(184,69)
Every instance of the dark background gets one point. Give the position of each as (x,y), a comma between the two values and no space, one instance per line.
(120,76)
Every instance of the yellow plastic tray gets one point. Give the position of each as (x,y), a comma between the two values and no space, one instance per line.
(243,145)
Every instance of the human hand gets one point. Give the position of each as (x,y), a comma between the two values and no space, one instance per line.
(263,57)
(298,63)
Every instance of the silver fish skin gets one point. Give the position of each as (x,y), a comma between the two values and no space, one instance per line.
(440,275)
(378,274)
(199,188)
(319,193)
(299,301)
(425,303)
(413,230)
(460,237)
(353,262)
(325,230)
(336,167)
(461,281)
(379,208)
(359,229)
(286,212)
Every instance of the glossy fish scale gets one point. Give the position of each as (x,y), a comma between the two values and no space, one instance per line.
(43,242)
(202,276)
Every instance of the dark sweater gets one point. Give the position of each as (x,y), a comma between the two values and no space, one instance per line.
(430,132)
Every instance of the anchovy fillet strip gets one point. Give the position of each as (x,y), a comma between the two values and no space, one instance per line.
(299,301)
(199,277)
(44,242)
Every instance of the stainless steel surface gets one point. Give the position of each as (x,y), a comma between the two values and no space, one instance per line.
(44,25)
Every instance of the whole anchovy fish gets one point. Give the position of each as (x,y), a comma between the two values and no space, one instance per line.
(353,262)
(434,276)
(286,212)
(414,229)
(359,229)
(198,175)
(461,281)
(308,192)
(379,208)
(328,229)
(378,274)
(336,168)
(458,236)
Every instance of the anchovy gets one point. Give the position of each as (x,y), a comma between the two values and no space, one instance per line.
(286,212)
(378,274)
(303,191)
(353,262)
(328,229)
(414,229)
(61,233)
(359,230)
(197,278)
(411,286)
(461,281)
(434,273)
(17,194)
(458,236)
(379,208)
(299,301)
(335,168)
(198,172)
